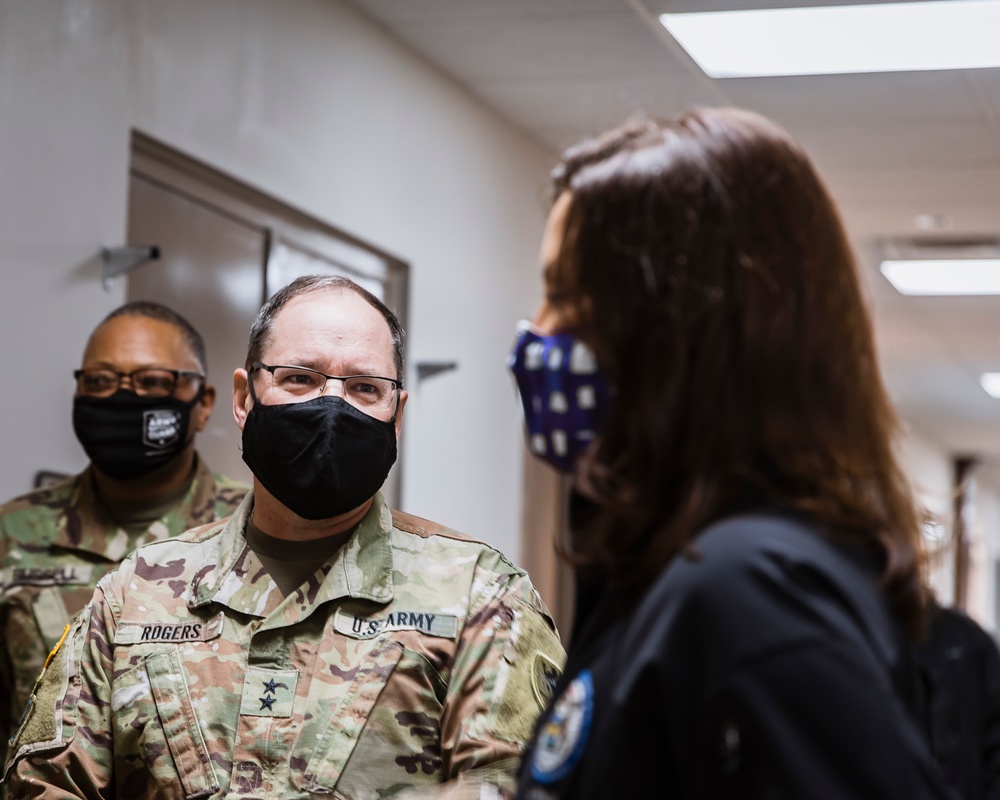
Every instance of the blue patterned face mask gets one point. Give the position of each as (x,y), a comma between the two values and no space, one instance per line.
(563,395)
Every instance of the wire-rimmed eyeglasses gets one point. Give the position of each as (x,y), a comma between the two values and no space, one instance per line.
(148,382)
(280,383)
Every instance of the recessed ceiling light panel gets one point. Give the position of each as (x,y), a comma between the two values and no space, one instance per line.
(885,37)
(944,277)
(990,381)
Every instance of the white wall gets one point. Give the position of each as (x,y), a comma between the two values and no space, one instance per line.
(310,102)
(985,548)
(929,468)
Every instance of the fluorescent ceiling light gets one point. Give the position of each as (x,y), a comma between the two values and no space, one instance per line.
(990,381)
(947,34)
(940,277)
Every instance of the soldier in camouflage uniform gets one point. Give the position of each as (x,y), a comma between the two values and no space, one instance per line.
(315,643)
(57,542)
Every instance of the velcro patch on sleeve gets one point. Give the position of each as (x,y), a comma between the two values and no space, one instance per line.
(49,720)
(531,665)
(366,627)
(192,629)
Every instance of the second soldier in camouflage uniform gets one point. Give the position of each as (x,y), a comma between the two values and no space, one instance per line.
(57,542)
(388,656)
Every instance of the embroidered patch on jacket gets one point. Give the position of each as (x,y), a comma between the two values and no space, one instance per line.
(560,741)
(46,576)
(432,624)
(268,692)
(544,674)
(192,629)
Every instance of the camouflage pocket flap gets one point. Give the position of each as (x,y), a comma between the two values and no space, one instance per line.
(348,718)
(191,629)
(181,727)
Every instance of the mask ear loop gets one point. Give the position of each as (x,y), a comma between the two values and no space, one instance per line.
(190,407)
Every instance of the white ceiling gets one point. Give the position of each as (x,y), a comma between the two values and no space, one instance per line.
(891,146)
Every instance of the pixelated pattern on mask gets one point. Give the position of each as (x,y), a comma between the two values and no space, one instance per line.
(563,395)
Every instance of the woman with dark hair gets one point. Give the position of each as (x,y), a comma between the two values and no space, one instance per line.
(746,544)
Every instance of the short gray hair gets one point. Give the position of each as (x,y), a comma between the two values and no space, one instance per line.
(260,331)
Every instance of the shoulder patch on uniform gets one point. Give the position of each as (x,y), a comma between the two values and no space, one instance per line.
(49,721)
(31,700)
(192,629)
(530,650)
(366,627)
(544,674)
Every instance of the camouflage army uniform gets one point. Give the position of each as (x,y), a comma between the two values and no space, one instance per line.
(414,656)
(55,544)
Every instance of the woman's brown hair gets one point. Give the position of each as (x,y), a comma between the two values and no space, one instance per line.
(712,276)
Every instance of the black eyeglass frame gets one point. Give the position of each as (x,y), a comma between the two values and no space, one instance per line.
(258,365)
(177,374)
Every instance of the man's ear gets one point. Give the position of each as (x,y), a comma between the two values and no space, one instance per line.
(204,408)
(399,412)
(242,401)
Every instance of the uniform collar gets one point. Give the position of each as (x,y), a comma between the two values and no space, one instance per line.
(84,524)
(361,569)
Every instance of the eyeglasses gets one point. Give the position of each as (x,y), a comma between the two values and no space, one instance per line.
(374,395)
(144,382)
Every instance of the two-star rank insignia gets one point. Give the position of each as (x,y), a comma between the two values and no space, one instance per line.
(277,696)
(271,687)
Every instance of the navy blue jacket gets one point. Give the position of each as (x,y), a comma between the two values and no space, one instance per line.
(960,665)
(763,664)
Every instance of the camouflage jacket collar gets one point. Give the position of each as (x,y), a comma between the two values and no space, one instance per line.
(361,569)
(85,525)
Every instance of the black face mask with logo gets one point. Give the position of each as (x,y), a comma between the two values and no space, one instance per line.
(127,436)
(321,458)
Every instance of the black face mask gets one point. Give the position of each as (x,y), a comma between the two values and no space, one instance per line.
(320,458)
(127,436)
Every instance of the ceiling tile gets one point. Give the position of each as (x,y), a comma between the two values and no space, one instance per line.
(528,48)
(401,11)
(933,143)
(896,97)
(974,186)
(589,107)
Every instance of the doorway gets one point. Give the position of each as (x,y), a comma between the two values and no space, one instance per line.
(224,248)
